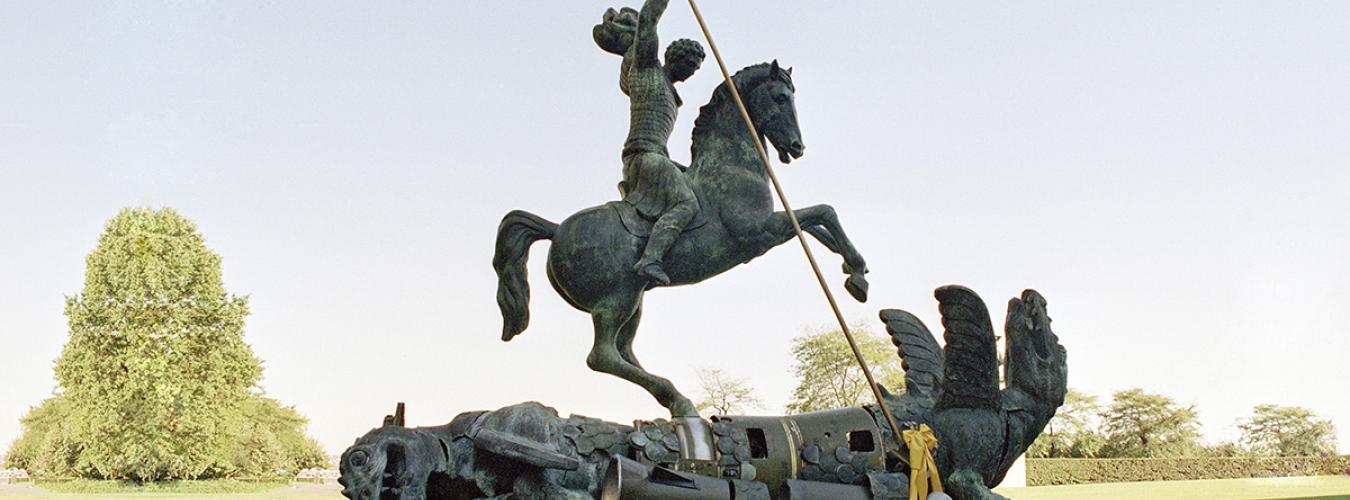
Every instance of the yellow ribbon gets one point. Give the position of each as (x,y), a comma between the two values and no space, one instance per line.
(922,467)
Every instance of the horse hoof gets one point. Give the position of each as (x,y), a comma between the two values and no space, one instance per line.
(857,287)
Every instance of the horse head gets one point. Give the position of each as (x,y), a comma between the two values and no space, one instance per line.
(773,110)
(769,97)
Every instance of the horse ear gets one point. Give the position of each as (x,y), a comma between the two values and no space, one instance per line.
(773,69)
(789,71)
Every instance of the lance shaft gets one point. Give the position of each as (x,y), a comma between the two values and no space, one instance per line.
(797,228)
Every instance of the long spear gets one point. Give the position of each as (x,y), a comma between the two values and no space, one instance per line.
(797,228)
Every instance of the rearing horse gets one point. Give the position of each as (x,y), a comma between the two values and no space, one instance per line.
(590,263)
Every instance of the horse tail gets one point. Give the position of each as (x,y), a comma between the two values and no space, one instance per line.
(518,230)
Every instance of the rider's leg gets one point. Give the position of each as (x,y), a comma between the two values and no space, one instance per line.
(664,233)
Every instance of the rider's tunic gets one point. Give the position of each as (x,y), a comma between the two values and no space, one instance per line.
(652,182)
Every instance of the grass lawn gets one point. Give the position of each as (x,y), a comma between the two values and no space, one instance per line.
(1327,487)
(1331,487)
(295,492)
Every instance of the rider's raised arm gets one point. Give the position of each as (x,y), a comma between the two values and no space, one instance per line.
(646,46)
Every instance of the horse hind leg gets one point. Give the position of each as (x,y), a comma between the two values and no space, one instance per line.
(605,357)
(626,335)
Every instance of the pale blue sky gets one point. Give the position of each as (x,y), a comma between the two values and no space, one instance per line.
(1171,175)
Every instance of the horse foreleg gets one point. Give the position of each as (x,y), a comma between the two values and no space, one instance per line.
(821,222)
(825,238)
(605,357)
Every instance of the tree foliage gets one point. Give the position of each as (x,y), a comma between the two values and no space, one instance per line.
(1287,431)
(725,395)
(156,381)
(271,437)
(828,375)
(46,443)
(1223,449)
(1140,424)
(1073,432)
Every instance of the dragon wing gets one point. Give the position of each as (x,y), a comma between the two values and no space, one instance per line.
(970,375)
(920,355)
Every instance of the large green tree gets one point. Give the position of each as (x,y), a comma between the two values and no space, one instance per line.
(828,375)
(1073,432)
(1287,431)
(156,381)
(1140,424)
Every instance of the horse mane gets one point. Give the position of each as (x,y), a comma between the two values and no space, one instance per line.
(745,79)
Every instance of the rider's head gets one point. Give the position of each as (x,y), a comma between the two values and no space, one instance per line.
(683,58)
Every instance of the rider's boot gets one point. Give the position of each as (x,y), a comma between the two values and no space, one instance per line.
(653,271)
(664,233)
(649,266)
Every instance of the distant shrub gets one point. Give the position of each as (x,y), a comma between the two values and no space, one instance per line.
(1052,471)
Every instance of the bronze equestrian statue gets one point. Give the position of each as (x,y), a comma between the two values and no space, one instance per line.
(594,252)
(675,226)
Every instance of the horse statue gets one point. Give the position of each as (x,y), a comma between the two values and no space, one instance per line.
(590,262)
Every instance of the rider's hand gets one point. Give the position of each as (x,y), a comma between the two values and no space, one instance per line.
(616,31)
(623,21)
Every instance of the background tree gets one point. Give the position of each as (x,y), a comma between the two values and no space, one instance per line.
(1226,449)
(1073,432)
(1139,424)
(1287,431)
(156,381)
(829,377)
(46,443)
(725,395)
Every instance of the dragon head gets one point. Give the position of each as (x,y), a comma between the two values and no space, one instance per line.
(393,462)
(1036,362)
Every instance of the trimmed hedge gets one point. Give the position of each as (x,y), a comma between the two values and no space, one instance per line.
(204,486)
(1052,471)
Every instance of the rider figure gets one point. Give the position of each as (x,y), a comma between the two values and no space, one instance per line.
(653,183)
